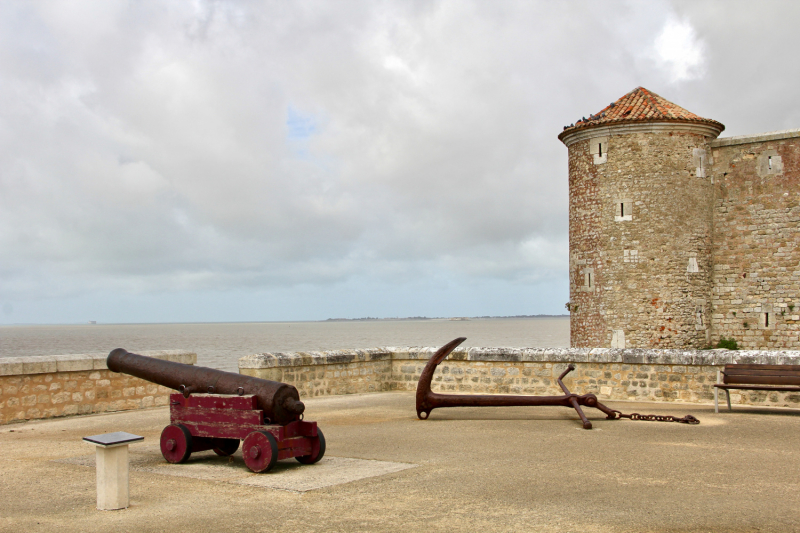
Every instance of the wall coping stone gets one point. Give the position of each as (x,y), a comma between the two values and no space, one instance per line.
(757,138)
(332,357)
(46,364)
(718,357)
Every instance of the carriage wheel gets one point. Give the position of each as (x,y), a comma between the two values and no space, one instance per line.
(317,450)
(176,443)
(225,447)
(260,451)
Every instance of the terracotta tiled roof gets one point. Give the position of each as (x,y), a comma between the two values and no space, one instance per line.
(639,105)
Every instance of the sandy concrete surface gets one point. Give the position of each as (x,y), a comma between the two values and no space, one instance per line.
(464,469)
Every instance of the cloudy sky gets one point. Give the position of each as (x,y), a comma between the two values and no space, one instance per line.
(247,161)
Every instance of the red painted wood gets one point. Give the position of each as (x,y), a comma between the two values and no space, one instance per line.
(235,417)
(215,401)
(290,453)
(288,448)
(260,451)
(217,416)
(227,431)
(299,428)
(295,447)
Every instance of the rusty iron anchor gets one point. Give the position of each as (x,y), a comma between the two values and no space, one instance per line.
(427,400)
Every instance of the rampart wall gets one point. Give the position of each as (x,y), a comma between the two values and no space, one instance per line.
(611,374)
(54,386)
(756,255)
(63,385)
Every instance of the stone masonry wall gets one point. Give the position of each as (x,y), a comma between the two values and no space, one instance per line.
(63,385)
(756,283)
(611,374)
(640,224)
(587,314)
(324,373)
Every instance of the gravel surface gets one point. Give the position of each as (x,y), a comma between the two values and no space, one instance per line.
(477,469)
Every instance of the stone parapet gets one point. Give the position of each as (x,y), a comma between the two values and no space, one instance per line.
(611,374)
(324,373)
(757,138)
(63,385)
(332,357)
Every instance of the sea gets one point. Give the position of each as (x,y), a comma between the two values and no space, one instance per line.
(220,345)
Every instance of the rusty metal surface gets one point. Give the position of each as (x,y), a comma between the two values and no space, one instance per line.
(280,402)
(427,400)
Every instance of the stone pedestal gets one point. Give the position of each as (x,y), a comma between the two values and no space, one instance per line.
(112,468)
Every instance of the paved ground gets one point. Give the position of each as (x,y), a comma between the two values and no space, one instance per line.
(466,469)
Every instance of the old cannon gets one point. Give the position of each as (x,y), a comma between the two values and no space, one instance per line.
(215,410)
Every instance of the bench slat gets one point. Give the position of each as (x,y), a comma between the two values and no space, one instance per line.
(757,387)
(793,368)
(761,380)
(761,374)
(765,373)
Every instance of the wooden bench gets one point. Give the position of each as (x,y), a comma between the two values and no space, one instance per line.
(780,378)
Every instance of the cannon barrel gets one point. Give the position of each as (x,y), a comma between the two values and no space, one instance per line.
(279,401)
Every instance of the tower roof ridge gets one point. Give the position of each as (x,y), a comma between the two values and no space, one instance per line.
(639,105)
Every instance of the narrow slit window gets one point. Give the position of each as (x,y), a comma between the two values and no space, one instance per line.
(600,152)
(599,149)
(769,162)
(699,159)
(768,319)
(588,279)
(623,209)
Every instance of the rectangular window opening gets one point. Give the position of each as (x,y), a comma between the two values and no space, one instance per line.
(769,162)
(766,320)
(598,147)
(588,279)
(623,209)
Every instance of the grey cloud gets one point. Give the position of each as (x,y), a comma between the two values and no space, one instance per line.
(223,146)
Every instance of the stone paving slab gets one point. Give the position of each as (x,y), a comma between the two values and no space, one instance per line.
(285,475)
(330,471)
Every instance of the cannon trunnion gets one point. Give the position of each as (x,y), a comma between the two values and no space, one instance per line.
(216,410)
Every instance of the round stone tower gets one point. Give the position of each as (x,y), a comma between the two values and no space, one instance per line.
(640,225)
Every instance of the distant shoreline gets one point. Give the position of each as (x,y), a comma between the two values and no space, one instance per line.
(372,319)
(95,323)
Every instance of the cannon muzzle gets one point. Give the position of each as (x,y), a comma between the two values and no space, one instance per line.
(279,401)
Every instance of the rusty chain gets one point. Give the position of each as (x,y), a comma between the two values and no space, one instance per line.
(688,419)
